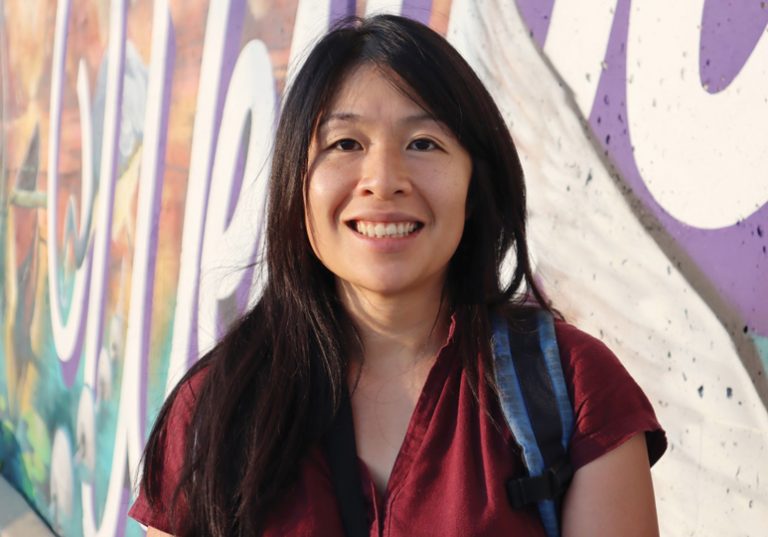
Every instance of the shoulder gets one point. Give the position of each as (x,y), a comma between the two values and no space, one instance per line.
(584,357)
(164,460)
(609,406)
(587,360)
(180,406)
(188,390)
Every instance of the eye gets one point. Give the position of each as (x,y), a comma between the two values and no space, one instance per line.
(346,144)
(423,144)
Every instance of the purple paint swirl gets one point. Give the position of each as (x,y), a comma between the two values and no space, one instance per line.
(729,33)
(727,265)
(536,15)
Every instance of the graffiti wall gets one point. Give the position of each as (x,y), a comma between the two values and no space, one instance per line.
(642,130)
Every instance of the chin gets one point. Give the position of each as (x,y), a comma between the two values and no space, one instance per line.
(385,288)
(391,285)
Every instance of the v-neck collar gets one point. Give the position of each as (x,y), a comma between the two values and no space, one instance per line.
(421,418)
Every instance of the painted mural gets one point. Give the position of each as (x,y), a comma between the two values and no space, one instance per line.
(642,130)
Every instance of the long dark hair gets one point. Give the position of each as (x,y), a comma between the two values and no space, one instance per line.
(272,385)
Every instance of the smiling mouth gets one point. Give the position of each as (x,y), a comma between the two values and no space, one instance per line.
(384,230)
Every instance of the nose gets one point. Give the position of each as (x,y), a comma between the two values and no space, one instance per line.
(384,173)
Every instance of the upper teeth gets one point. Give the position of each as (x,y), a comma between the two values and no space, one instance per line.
(381,229)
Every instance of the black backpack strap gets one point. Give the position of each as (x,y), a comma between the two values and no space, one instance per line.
(537,408)
(342,458)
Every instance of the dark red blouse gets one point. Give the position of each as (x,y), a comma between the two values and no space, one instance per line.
(449,475)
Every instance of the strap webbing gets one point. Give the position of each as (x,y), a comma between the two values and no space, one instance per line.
(551,355)
(535,403)
(536,387)
(342,458)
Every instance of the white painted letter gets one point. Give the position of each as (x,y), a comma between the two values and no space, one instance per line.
(129,436)
(576,42)
(703,156)
(233,228)
(68,334)
(220,38)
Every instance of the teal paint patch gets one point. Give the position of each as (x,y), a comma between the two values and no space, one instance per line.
(11,464)
(761,344)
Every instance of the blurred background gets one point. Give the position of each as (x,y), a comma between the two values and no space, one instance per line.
(134,151)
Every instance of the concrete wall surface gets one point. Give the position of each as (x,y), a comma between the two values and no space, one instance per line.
(641,126)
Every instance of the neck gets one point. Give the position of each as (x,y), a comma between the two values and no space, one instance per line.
(397,332)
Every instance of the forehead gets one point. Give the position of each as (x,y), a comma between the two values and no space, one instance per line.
(371,91)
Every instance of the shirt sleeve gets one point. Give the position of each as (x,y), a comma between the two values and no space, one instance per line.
(157,515)
(609,406)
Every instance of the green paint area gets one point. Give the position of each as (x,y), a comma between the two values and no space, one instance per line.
(12,463)
(761,344)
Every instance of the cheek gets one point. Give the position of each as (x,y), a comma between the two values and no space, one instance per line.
(310,227)
(457,212)
(451,186)
(326,194)
(313,220)
(454,199)
(318,204)
(329,193)
(323,203)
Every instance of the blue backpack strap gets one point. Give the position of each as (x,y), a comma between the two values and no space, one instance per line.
(536,405)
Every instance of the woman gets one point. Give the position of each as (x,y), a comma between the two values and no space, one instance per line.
(395,194)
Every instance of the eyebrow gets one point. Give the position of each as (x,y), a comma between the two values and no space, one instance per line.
(351,117)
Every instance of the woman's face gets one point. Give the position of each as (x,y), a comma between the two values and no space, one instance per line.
(387,190)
